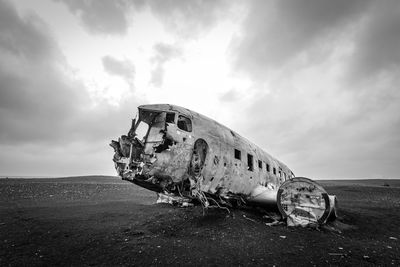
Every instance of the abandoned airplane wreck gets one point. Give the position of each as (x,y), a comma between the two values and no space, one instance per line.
(188,158)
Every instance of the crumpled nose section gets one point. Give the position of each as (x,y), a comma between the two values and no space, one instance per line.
(127,153)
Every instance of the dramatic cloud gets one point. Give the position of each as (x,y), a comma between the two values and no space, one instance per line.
(26,38)
(122,68)
(313,82)
(277,31)
(186,18)
(34,94)
(101,16)
(43,109)
(326,133)
(190,18)
(377,44)
(324,75)
(163,53)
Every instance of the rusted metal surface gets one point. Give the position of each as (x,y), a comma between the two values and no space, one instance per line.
(178,152)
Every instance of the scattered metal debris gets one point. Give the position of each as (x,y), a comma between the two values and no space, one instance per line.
(247,218)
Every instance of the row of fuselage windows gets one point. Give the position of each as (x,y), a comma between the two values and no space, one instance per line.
(250,164)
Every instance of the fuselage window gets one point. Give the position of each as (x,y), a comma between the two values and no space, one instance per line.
(184,123)
(280,173)
(170,118)
(260,164)
(267,167)
(274,170)
(238,154)
(250,164)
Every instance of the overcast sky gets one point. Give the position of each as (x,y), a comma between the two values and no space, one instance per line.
(313,82)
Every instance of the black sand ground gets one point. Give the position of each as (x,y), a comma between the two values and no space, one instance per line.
(104,221)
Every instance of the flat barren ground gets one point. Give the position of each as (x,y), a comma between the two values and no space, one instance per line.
(105,221)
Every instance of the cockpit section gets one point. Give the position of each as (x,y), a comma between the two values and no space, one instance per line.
(156,138)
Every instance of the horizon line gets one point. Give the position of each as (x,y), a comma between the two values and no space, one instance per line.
(91,175)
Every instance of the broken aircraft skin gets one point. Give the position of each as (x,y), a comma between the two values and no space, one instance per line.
(187,157)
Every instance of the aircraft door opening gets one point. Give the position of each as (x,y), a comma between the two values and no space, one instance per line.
(200,150)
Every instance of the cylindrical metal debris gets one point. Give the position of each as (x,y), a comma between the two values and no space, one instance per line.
(304,202)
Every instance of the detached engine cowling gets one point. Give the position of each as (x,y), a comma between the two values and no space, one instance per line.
(304,202)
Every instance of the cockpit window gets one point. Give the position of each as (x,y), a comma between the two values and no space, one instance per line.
(184,123)
(170,118)
(141,130)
